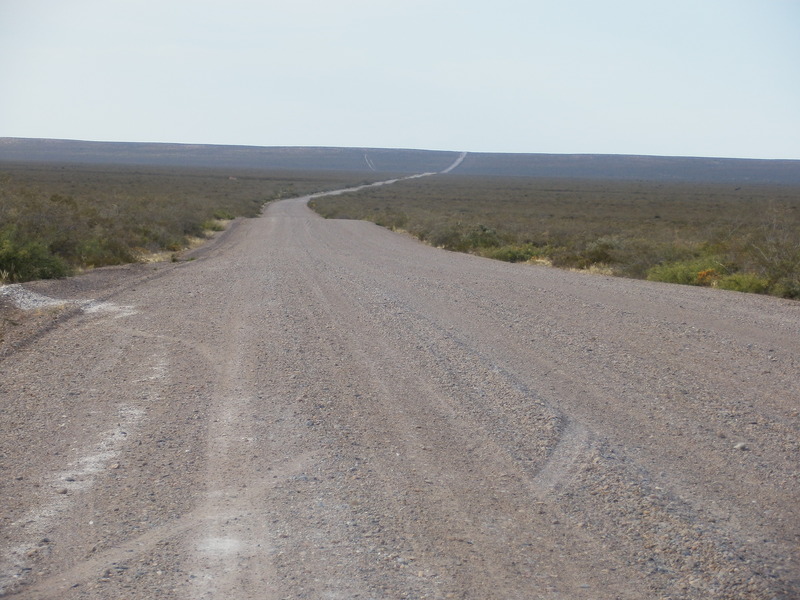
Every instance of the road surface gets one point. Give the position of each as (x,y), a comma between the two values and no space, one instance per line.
(326,409)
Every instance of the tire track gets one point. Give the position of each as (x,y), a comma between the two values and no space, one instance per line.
(428,426)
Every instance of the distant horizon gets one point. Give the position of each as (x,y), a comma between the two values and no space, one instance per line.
(421,149)
(680,78)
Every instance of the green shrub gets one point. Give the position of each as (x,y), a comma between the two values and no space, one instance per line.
(223,215)
(514,253)
(698,271)
(786,287)
(388,218)
(22,260)
(448,237)
(776,255)
(482,237)
(213,225)
(603,250)
(102,252)
(744,282)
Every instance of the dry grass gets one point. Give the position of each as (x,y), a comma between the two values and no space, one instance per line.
(58,218)
(748,235)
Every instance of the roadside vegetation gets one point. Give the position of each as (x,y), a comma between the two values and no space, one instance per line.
(55,219)
(744,238)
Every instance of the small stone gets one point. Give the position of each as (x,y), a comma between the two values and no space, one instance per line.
(62,491)
(741,446)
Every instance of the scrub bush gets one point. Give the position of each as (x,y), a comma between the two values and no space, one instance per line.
(689,233)
(58,218)
(699,271)
(744,282)
(23,260)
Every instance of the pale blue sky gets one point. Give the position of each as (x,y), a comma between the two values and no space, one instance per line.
(662,77)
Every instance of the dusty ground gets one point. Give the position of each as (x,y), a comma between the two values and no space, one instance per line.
(324,409)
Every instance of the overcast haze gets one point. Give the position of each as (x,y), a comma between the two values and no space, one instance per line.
(677,77)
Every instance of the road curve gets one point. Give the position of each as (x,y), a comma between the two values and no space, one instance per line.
(325,409)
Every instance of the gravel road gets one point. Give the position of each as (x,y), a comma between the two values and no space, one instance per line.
(325,409)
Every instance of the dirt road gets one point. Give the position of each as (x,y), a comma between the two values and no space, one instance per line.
(325,409)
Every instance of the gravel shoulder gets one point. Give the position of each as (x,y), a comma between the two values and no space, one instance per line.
(324,409)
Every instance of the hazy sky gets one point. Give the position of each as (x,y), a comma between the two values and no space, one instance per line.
(664,77)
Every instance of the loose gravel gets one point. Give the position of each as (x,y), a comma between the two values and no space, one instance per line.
(324,409)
